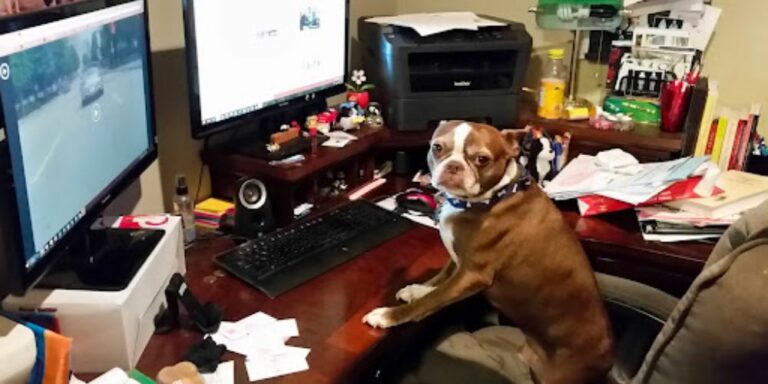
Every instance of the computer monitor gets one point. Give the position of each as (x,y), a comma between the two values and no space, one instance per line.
(77,125)
(247,59)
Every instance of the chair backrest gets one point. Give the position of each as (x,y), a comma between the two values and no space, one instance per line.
(718,332)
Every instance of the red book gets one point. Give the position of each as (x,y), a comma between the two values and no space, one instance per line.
(736,151)
(746,144)
(712,137)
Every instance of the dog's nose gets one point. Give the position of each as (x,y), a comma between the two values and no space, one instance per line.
(454,167)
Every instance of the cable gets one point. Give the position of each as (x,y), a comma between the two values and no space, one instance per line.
(200,174)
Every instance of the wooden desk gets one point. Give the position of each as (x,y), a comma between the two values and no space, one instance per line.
(329,308)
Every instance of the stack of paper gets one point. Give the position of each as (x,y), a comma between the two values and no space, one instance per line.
(339,139)
(261,339)
(426,24)
(668,225)
(630,183)
(210,213)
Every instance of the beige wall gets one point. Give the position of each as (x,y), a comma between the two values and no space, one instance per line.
(738,55)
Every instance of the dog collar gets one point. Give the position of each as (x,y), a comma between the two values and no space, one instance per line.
(510,189)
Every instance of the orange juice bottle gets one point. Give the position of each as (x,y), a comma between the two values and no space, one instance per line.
(553,84)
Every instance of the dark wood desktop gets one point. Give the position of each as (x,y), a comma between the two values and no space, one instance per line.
(329,308)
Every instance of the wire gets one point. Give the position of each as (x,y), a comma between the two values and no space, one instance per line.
(200,174)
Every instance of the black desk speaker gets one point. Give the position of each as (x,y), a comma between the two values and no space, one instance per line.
(253,211)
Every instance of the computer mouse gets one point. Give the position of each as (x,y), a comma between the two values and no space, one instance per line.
(416,200)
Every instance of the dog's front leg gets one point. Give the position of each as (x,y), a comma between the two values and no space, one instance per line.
(414,292)
(458,286)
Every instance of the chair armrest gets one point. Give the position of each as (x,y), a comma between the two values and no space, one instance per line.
(653,302)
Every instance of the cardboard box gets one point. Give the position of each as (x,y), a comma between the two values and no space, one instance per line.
(111,329)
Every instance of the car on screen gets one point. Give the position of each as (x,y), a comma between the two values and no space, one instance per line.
(91,85)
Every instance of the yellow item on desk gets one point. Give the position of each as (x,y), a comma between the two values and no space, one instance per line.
(213,205)
(552,89)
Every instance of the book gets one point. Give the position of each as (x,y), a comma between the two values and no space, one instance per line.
(728,139)
(717,148)
(738,143)
(742,191)
(696,111)
(711,138)
(706,119)
(754,120)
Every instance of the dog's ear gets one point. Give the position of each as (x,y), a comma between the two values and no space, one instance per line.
(513,139)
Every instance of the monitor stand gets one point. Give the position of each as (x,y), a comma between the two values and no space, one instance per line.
(251,138)
(102,259)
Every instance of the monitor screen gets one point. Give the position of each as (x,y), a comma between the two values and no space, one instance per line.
(75,97)
(250,55)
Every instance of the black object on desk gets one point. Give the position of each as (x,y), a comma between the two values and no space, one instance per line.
(289,257)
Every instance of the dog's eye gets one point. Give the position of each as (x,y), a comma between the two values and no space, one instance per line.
(437,148)
(482,160)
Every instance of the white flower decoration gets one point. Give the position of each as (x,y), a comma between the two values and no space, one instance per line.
(358,77)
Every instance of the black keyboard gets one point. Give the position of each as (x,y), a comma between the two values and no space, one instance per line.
(291,256)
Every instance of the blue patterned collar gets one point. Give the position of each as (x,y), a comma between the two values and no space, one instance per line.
(510,189)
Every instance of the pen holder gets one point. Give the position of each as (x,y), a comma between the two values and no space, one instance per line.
(675,98)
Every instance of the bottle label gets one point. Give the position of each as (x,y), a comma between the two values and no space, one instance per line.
(551,98)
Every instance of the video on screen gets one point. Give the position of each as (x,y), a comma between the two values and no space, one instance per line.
(82,119)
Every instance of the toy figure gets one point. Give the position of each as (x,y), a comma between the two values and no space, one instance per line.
(350,116)
(373,116)
(540,156)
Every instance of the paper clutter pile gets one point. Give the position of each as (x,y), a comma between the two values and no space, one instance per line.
(261,339)
(614,180)
(678,200)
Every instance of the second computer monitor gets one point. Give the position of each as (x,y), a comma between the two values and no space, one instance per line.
(246,57)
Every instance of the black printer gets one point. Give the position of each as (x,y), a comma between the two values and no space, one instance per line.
(459,74)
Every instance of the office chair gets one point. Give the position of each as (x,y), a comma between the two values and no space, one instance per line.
(716,333)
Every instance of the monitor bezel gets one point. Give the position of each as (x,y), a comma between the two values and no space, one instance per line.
(200,130)
(20,278)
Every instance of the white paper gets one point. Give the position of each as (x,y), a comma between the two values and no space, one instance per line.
(225,374)
(702,34)
(426,24)
(341,135)
(677,238)
(336,142)
(584,176)
(114,376)
(261,339)
(643,8)
(274,366)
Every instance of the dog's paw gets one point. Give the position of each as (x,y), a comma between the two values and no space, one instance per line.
(413,292)
(380,318)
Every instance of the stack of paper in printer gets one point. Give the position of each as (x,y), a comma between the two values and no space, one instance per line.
(261,339)
(426,24)
(614,180)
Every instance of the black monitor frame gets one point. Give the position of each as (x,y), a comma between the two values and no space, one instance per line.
(201,131)
(18,279)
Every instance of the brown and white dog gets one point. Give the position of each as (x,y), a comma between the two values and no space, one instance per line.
(507,240)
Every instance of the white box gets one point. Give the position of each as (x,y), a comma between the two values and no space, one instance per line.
(111,329)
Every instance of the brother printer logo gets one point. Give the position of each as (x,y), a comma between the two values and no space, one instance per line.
(463,83)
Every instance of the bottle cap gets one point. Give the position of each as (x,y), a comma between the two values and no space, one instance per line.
(181,185)
(556,53)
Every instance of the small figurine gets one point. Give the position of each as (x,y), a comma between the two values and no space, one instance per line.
(373,116)
(540,156)
(312,122)
(350,116)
